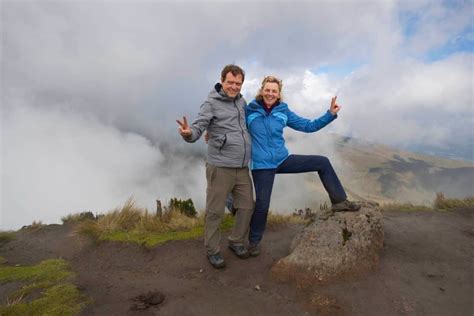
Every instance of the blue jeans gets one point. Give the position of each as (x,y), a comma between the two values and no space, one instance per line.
(263,183)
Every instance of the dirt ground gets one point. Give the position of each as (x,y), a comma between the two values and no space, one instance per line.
(425,268)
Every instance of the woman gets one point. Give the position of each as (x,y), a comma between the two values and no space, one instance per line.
(267,116)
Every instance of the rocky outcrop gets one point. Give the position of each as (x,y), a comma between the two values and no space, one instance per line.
(334,246)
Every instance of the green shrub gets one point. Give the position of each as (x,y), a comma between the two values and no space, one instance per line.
(80,217)
(443,203)
(6,237)
(186,207)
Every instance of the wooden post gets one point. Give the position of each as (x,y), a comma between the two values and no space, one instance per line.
(159,209)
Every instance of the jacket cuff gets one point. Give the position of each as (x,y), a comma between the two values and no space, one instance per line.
(333,116)
(189,138)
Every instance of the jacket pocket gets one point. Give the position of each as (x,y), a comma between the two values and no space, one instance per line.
(218,141)
(233,145)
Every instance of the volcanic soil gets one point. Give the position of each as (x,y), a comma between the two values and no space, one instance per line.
(426,268)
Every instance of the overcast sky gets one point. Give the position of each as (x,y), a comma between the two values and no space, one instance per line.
(90,90)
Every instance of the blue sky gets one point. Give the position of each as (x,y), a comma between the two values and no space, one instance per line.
(86,85)
(464,42)
(461,40)
(410,22)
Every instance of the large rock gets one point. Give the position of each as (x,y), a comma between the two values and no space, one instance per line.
(334,246)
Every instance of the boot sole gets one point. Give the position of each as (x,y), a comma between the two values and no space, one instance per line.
(217,266)
(254,254)
(241,256)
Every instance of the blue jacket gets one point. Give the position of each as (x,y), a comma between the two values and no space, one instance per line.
(266,130)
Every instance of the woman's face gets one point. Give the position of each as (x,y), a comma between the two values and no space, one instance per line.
(270,93)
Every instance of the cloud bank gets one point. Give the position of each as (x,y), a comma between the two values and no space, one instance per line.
(90,90)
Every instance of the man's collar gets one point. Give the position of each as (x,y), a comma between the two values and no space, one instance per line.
(218,87)
(220,90)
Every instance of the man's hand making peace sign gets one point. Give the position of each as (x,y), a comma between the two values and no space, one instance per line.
(184,129)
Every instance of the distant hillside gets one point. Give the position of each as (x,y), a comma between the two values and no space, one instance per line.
(459,152)
(374,171)
(388,173)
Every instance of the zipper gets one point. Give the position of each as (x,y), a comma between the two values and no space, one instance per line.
(270,141)
(243,136)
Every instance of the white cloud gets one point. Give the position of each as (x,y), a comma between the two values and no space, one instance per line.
(56,163)
(416,103)
(85,83)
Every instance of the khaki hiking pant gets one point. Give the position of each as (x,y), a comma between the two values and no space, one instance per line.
(220,182)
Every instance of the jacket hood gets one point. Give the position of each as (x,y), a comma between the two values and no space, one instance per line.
(219,94)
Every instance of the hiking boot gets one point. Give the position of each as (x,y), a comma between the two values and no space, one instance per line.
(345,206)
(254,250)
(240,251)
(216,260)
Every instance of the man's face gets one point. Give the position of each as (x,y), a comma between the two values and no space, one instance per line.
(232,84)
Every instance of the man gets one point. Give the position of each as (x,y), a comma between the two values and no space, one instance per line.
(228,153)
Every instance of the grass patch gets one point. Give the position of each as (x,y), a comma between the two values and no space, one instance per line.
(227,222)
(78,218)
(50,278)
(405,207)
(62,299)
(6,237)
(34,226)
(443,203)
(53,270)
(278,219)
(132,224)
(151,239)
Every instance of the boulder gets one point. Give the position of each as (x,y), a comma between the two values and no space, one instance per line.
(339,245)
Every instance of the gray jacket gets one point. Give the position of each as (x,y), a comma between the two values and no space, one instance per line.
(224,120)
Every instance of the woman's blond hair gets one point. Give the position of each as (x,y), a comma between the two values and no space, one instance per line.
(267,79)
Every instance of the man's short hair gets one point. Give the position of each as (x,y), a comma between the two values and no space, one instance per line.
(234,69)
